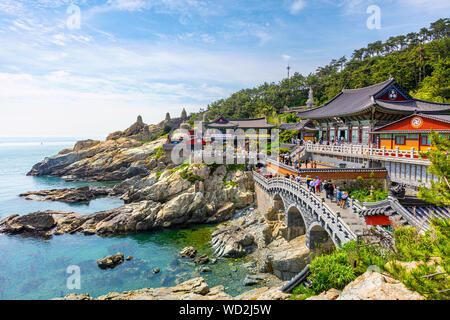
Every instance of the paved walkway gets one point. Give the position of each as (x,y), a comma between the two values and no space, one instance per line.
(347,215)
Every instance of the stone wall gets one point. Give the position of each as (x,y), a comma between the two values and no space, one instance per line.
(264,201)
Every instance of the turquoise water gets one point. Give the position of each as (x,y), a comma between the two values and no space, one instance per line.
(36,269)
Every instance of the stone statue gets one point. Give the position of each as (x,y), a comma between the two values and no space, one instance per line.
(167,116)
(139,120)
(397,190)
(310,101)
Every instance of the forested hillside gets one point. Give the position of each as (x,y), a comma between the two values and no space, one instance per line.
(420,62)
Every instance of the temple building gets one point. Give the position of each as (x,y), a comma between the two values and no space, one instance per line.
(222,124)
(412,132)
(355,115)
(306,130)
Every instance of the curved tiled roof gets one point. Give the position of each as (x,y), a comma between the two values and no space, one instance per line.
(356,101)
(347,102)
(242,124)
(414,105)
(298,125)
(412,210)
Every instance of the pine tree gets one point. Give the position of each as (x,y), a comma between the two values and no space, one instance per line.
(439,156)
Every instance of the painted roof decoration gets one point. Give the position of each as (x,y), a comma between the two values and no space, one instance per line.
(386,96)
(223,123)
(413,211)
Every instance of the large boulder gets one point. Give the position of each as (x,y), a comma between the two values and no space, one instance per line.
(375,286)
(287,259)
(70,195)
(35,224)
(111,261)
(188,252)
(232,242)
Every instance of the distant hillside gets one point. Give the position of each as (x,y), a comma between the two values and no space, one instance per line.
(420,62)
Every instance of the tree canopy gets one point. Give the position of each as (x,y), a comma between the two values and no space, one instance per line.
(418,61)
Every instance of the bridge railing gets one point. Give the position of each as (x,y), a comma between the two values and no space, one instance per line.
(307,170)
(331,218)
(364,150)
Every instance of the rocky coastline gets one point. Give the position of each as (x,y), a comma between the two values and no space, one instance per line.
(160,195)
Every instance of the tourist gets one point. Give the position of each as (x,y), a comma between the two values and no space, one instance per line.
(297,179)
(330,191)
(317,185)
(325,186)
(306,163)
(308,181)
(344,199)
(338,196)
(312,186)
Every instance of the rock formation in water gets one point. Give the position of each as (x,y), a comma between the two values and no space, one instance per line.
(69,195)
(154,202)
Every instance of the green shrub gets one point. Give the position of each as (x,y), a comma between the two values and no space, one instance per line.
(189,176)
(331,271)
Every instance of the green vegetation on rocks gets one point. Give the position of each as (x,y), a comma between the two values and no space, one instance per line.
(420,260)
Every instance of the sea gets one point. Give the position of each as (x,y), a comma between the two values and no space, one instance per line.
(40,269)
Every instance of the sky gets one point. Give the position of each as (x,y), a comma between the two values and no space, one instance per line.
(88,68)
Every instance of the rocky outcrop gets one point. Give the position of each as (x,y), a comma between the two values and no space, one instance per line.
(188,252)
(371,286)
(203,259)
(257,235)
(194,289)
(38,224)
(166,202)
(264,293)
(71,195)
(287,258)
(232,242)
(111,261)
(123,155)
(331,294)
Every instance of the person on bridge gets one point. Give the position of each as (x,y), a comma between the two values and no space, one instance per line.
(338,196)
(344,199)
(330,191)
(308,181)
(312,185)
(317,185)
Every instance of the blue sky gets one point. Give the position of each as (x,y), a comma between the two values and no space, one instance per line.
(150,57)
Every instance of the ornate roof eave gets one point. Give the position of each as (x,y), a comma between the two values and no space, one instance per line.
(361,112)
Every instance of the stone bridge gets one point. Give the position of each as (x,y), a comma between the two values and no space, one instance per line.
(306,212)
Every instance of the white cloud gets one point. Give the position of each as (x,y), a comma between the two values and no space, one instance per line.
(286,57)
(297,5)
(129,5)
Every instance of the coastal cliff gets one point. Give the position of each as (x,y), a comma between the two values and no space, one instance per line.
(160,200)
(124,154)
